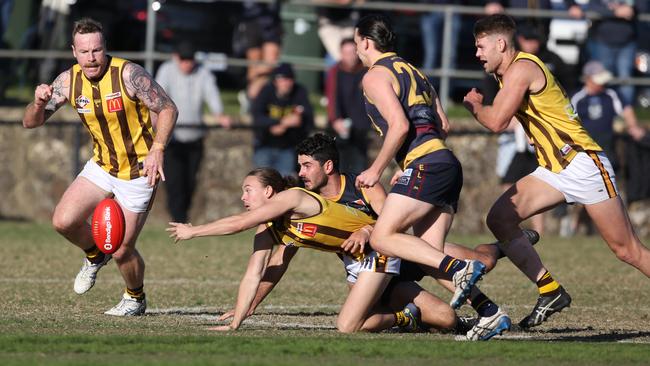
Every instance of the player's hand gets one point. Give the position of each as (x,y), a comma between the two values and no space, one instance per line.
(222,328)
(356,243)
(367,179)
(180,231)
(636,132)
(472,100)
(398,173)
(42,95)
(227,315)
(153,165)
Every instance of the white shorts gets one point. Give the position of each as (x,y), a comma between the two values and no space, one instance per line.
(372,262)
(134,195)
(588,179)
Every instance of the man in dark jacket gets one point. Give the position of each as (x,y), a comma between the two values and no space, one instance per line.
(282,117)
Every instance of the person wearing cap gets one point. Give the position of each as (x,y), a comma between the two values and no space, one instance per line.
(282,117)
(190,85)
(598,106)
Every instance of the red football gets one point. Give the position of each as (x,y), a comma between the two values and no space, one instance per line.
(108,226)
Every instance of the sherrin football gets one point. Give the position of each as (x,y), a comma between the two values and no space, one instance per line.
(108,226)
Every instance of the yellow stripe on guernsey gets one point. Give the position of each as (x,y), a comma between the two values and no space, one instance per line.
(427,147)
(325,231)
(552,123)
(119,125)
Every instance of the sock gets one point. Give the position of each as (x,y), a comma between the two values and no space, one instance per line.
(401,320)
(451,265)
(136,293)
(482,304)
(94,255)
(547,285)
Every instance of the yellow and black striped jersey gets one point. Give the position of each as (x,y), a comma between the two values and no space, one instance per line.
(325,231)
(416,97)
(119,125)
(551,122)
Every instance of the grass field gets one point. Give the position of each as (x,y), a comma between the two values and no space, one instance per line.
(44,322)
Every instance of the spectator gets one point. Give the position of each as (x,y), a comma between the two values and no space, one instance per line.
(431,25)
(541,25)
(612,40)
(259,34)
(190,85)
(335,25)
(598,107)
(282,117)
(346,111)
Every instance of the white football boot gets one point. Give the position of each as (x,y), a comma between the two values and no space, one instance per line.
(128,307)
(85,279)
(464,280)
(488,327)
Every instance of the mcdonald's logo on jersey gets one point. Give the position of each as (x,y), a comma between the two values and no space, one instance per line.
(114,102)
(307,229)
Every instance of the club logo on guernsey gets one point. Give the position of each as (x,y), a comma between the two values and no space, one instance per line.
(307,229)
(82,102)
(114,102)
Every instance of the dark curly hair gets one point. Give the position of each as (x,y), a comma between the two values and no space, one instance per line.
(321,147)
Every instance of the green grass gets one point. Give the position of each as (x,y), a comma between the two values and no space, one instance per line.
(43,322)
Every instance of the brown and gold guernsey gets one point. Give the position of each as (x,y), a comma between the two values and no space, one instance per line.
(325,231)
(551,122)
(119,125)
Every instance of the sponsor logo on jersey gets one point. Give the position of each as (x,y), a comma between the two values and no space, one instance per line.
(566,149)
(114,102)
(307,229)
(82,101)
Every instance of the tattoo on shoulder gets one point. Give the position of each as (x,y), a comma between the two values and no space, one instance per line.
(145,88)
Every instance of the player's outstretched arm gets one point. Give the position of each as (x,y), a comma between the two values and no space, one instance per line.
(249,284)
(47,100)
(280,204)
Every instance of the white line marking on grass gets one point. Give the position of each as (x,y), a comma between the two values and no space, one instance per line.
(198,310)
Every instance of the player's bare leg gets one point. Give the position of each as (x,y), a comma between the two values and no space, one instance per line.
(615,227)
(71,214)
(363,296)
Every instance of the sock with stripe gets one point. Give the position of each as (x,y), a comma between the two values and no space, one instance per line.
(547,286)
(401,320)
(451,265)
(482,304)
(136,293)
(94,255)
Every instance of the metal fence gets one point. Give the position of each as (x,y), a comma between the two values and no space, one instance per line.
(445,72)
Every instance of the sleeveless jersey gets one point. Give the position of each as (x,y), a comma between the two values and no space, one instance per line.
(119,125)
(325,231)
(352,197)
(551,122)
(416,97)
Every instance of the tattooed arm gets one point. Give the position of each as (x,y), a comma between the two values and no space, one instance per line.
(47,100)
(141,85)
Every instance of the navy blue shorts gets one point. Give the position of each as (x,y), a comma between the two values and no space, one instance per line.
(436,183)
